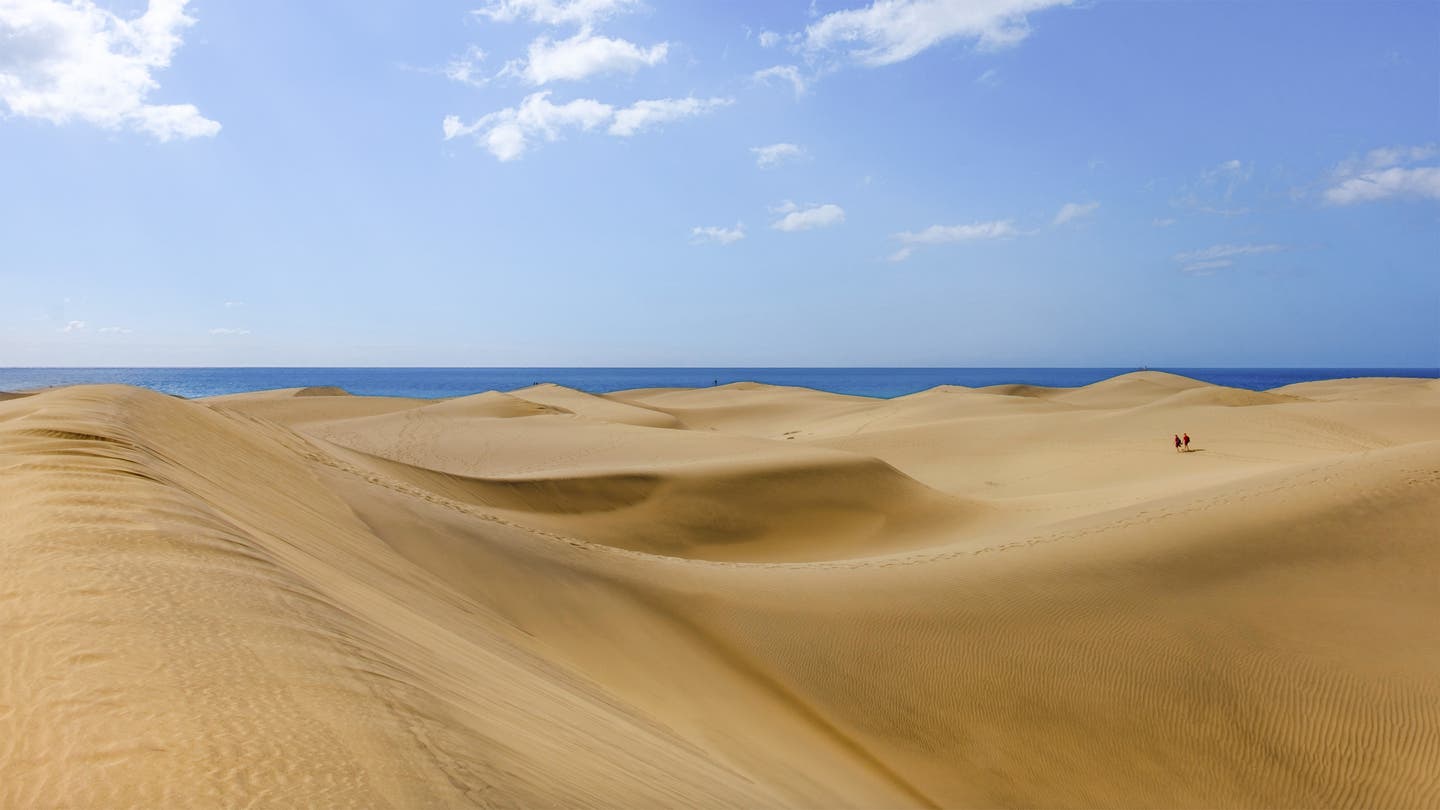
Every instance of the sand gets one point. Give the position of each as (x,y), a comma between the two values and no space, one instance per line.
(742,596)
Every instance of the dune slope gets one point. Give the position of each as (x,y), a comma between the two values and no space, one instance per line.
(729,597)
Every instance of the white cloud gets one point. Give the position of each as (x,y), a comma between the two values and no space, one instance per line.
(889,31)
(582,56)
(1217,256)
(769,39)
(1164,222)
(1204,268)
(555,12)
(465,69)
(941,234)
(1387,156)
(1227,251)
(509,132)
(803,219)
(715,234)
(944,234)
(1072,211)
(223,331)
(643,115)
(114,330)
(1421,182)
(233,304)
(788,73)
(768,157)
(73,326)
(990,78)
(74,61)
(1383,173)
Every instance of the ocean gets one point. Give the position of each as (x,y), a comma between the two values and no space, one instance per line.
(450,382)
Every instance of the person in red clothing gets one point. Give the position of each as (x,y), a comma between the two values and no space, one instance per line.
(1186,439)
(1177,442)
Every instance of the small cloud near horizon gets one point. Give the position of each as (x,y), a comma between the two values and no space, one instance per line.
(946,234)
(1384,173)
(798,218)
(1207,260)
(717,235)
(1073,211)
(768,157)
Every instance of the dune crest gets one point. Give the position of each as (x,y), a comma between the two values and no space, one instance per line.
(739,596)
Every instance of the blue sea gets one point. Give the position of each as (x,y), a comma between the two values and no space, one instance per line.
(451,382)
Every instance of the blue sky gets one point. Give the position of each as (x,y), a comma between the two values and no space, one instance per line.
(618,182)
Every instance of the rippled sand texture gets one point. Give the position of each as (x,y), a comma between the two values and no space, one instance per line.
(744,596)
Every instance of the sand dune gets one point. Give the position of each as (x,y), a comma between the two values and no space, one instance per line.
(1220,395)
(595,407)
(742,596)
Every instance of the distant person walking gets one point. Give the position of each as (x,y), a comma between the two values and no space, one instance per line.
(1177,442)
(1186,439)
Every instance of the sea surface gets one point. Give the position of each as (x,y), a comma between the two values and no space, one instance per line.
(451,382)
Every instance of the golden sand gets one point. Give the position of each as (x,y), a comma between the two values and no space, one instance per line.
(743,596)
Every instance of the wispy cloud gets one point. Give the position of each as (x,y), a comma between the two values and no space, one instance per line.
(805,218)
(769,39)
(889,31)
(643,115)
(508,133)
(228,331)
(74,61)
(114,330)
(555,12)
(945,234)
(990,78)
(73,326)
(1385,173)
(768,157)
(714,234)
(1202,262)
(581,56)
(1163,222)
(1073,211)
(784,73)
(466,68)
(234,304)
(1215,190)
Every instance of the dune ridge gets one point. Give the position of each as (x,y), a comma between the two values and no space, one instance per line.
(743,596)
